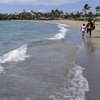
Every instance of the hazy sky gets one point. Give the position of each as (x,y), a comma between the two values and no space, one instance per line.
(11,6)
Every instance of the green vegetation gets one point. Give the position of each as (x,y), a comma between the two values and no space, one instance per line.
(85,14)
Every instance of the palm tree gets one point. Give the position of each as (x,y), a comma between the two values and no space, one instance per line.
(86,8)
(97,9)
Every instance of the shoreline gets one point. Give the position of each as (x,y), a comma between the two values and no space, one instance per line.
(88,61)
(77,24)
(88,57)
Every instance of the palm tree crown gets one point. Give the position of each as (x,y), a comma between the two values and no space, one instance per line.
(86,8)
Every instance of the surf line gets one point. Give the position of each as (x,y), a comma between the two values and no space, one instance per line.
(16,55)
(62,32)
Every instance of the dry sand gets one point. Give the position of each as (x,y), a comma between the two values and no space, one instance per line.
(77,24)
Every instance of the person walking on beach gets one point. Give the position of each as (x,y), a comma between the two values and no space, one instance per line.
(83,29)
(90,26)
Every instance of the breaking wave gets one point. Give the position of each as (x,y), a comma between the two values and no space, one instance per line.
(62,32)
(16,55)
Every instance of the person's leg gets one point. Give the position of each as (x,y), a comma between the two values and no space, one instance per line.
(82,33)
(90,33)
(87,32)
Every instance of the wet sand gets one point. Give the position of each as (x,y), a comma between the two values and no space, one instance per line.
(89,58)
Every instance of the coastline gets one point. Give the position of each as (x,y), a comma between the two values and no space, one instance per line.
(51,63)
(77,24)
(88,57)
(88,61)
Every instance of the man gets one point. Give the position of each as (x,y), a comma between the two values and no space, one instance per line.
(90,26)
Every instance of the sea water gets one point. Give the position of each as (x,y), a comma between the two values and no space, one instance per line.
(36,63)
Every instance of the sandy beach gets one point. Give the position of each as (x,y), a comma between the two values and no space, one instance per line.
(77,24)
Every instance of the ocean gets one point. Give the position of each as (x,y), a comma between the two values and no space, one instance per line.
(37,62)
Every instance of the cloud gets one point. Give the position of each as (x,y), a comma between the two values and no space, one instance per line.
(38,2)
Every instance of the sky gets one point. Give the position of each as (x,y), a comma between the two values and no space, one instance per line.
(12,6)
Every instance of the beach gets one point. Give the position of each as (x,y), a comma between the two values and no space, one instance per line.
(77,24)
(88,57)
(47,61)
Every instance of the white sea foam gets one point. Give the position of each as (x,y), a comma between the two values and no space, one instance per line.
(75,86)
(79,84)
(16,55)
(62,32)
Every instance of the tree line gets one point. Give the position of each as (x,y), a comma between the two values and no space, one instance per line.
(53,14)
